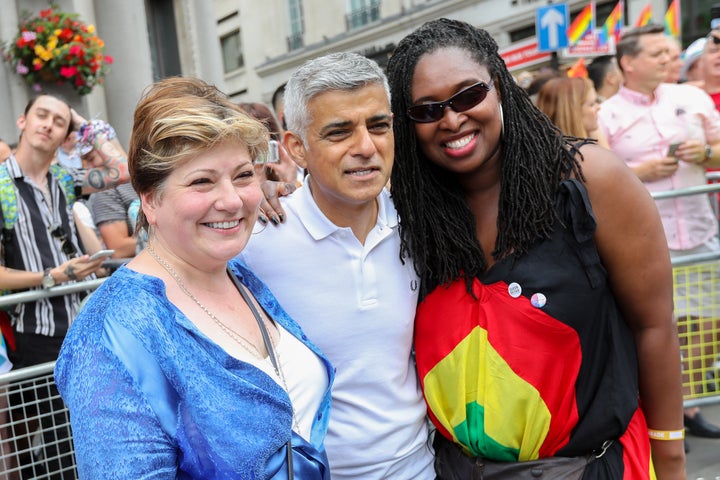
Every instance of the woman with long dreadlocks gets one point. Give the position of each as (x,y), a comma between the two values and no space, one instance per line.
(546,315)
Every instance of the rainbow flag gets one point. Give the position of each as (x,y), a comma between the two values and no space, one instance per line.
(645,16)
(614,23)
(583,24)
(672,19)
(578,69)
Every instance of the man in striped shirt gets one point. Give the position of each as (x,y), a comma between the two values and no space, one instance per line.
(40,244)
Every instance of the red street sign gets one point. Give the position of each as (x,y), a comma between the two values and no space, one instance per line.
(523,54)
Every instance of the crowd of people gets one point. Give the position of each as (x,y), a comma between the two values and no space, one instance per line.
(416,273)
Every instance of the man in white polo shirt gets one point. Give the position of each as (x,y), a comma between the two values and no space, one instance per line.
(335,267)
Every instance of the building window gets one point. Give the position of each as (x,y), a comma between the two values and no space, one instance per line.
(362,12)
(231,46)
(297,25)
(162,34)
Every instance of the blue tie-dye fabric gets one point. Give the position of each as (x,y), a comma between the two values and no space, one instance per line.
(151,397)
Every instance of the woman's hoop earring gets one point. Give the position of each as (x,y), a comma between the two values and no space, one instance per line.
(502,122)
(259,225)
(258,228)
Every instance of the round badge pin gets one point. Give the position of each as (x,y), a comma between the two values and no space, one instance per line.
(538,300)
(514,289)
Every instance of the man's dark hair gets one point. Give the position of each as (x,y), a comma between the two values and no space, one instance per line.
(598,68)
(277,96)
(629,43)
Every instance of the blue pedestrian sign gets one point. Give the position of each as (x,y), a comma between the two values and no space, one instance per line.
(551,24)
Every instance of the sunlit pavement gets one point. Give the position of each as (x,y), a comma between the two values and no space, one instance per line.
(703,460)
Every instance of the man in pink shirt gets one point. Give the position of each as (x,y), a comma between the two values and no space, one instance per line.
(668,134)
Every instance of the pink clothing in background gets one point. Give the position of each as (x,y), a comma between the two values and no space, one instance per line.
(640,129)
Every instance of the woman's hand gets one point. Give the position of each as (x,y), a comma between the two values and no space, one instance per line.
(270,208)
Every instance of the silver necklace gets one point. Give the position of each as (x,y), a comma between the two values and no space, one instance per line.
(239,339)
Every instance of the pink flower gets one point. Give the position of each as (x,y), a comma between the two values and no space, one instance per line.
(68,72)
(36,87)
(21,69)
(29,36)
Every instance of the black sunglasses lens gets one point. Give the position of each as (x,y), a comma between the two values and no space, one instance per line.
(460,102)
(716,40)
(67,247)
(469,98)
(430,112)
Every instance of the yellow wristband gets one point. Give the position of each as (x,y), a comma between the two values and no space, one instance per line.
(666,434)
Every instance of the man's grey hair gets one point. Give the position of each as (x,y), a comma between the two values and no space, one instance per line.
(342,71)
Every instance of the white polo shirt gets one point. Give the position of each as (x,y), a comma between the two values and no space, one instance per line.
(357,303)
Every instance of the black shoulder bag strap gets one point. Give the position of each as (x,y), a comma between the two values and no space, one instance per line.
(271,354)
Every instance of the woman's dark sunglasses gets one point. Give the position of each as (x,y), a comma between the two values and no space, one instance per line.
(463,100)
(67,246)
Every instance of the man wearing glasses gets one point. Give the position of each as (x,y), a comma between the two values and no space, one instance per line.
(40,241)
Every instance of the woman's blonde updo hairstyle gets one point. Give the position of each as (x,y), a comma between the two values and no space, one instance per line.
(178,119)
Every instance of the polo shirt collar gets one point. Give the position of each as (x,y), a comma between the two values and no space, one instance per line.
(319,226)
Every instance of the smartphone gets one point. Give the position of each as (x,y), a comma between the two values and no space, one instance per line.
(272,156)
(673,148)
(101,254)
(273,152)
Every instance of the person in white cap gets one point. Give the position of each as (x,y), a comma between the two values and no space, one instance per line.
(691,70)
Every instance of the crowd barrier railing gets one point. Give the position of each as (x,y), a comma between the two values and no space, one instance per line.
(696,289)
(31,435)
(35,435)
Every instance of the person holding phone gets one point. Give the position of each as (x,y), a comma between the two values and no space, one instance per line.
(41,246)
(668,134)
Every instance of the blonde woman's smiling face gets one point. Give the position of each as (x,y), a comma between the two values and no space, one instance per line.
(207,206)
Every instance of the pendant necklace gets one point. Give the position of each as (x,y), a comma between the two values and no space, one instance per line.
(239,339)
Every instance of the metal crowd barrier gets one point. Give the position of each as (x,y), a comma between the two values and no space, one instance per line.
(34,427)
(28,450)
(35,436)
(696,288)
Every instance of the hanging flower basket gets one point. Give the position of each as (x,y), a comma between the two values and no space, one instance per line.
(57,48)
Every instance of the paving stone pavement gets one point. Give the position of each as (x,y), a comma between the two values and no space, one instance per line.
(703,460)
